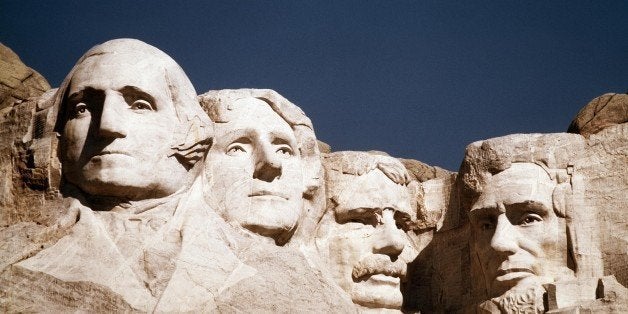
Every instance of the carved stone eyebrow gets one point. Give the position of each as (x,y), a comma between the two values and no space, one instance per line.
(81,94)
(528,206)
(132,93)
(279,138)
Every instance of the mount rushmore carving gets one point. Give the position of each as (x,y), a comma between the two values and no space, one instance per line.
(125,190)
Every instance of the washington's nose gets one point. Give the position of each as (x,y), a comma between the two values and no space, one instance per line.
(267,164)
(389,239)
(112,123)
(505,237)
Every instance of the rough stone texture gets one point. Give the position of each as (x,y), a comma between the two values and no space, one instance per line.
(181,252)
(601,112)
(17,81)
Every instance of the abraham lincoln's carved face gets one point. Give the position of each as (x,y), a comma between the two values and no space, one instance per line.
(518,238)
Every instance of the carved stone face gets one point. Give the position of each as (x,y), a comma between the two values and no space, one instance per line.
(119,127)
(519,240)
(367,245)
(254,169)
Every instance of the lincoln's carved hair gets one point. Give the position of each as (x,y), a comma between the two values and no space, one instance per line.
(555,153)
(558,154)
(193,136)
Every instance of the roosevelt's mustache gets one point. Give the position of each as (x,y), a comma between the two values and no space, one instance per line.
(379,264)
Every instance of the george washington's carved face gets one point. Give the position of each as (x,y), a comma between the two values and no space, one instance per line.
(120,121)
(518,238)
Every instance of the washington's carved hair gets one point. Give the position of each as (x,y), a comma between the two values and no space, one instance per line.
(193,136)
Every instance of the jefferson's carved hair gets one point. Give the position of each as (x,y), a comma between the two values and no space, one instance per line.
(193,136)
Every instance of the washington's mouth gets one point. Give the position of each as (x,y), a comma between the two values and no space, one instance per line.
(513,273)
(396,270)
(268,194)
(111,152)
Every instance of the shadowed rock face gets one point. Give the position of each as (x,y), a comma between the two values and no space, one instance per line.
(17,81)
(125,191)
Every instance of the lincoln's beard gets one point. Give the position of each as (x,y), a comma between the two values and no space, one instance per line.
(529,300)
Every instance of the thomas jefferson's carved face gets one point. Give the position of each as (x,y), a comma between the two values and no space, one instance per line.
(368,249)
(518,238)
(119,128)
(254,166)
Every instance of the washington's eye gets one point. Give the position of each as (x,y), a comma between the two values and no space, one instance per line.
(529,219)
(141,104)
(285,150)
(79,109)
(235,149)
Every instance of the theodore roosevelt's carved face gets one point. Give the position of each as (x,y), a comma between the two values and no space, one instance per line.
(367,246)
(254,169)
(518,238)
(120,121)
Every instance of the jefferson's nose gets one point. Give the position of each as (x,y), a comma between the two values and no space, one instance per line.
(112,122)
(267,164)
(389,239)
(504,239)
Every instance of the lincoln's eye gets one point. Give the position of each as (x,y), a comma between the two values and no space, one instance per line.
(529,219)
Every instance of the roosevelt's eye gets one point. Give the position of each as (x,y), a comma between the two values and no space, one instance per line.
(141,104)
(486,225)
(529,219)
(235,149)
(367,218)
(285,150)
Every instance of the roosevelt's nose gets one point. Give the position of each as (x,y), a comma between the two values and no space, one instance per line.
(389,240)
(267,164)
(112,121)
(504,239)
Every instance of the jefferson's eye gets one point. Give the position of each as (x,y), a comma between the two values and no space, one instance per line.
(141,104)
(530,218)
(285,150)
(235,149)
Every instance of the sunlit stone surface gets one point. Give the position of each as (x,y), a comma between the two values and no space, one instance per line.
(122,190)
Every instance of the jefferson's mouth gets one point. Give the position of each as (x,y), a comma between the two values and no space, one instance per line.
(269,194)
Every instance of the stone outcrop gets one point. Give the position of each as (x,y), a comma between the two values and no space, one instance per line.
(17,81)
(231,204)
(601,112)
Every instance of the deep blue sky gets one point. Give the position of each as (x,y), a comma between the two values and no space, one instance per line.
(417,79)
